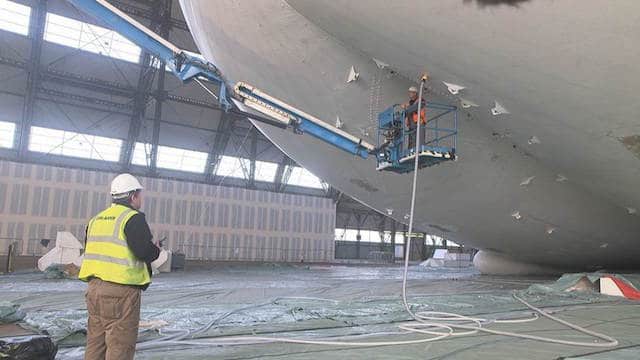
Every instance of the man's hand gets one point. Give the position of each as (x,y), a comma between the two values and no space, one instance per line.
(160,242)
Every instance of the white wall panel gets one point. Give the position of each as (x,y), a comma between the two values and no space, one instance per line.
(204,222)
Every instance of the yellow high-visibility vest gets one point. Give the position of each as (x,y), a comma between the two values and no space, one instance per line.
(106,255)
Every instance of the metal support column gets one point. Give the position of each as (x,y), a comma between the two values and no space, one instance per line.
(381,228)
(358,236)
(160,25)
(36,33)
(145,81)
(224,131)
(282,174)
(404,242)
(393,240)
(157,118)
(253,156)
(161,93)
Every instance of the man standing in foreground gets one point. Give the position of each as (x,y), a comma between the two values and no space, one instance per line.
(116,264)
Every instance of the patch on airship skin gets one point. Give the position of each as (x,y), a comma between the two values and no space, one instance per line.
(632,143)
(454,88)
(380,64)
(353,75)
(527,181)
(465,103)
(549,229)
(498,109)
(364,184)
(561,178)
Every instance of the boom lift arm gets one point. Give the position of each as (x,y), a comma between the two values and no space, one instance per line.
(193,67)
(188,67)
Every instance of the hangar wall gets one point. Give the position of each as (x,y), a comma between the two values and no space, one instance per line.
(203,221)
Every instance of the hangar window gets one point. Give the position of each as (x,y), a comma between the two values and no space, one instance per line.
(68,143)
(181,159)
(435,240)
(7,132)
(14,17)
(98,40)
(303,177)
(452,244)
(366,236)
(343,234)
(266,171)
(235,167)
(141,154)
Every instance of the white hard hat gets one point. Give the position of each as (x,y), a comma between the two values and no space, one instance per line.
(124,183)
(413,89)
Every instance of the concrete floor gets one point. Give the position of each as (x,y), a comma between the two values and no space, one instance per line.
(338,300)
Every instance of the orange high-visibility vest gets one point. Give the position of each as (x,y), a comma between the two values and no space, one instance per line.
(414,117)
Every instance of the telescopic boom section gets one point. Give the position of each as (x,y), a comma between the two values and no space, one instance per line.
(300,121)
(188,66)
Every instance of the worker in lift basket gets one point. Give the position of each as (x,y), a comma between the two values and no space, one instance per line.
(116,263)
(411,113)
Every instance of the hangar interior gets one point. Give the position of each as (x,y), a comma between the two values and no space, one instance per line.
(260,245)
(96,105)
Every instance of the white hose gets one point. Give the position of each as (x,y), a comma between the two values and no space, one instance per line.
(439,325)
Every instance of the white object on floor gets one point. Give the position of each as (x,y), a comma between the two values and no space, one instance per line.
(66,251)
(162,263)
(440,254)
(444,258)
(609,287)
(152,324)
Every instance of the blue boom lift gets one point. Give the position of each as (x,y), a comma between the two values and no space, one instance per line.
(392,154)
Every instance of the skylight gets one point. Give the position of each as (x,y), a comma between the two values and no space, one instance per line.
(230,166)
(303,177)
(266,171)
(68,143)
(14,17)
(98,40)
(7,133)
(181,159)
(141,154)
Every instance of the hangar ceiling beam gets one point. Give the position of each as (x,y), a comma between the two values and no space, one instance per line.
(136,10)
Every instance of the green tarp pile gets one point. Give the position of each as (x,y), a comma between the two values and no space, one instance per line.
(10,312)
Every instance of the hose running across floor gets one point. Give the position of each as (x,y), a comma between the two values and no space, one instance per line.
(439,325)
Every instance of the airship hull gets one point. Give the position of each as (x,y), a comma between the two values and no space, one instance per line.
(546,180)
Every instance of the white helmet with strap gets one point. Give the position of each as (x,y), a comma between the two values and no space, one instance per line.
(123,184)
